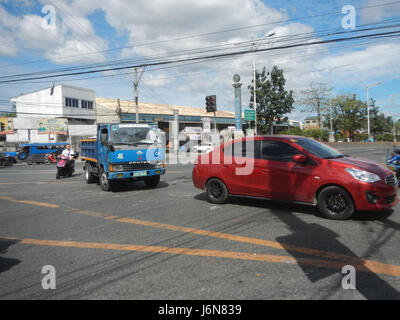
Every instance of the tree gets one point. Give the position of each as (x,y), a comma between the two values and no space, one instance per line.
(273,101)
(378,122)
(348,114)
(316,100)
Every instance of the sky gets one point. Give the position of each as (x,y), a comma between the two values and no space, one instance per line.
(75,33)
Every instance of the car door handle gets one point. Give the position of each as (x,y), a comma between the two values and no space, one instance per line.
(266,171)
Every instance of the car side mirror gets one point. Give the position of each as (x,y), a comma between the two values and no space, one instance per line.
(112,149)
(299,158)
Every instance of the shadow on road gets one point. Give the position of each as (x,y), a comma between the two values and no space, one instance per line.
(7,263)
(125,186)
(316,236)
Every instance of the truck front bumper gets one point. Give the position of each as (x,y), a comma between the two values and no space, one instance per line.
(135,174)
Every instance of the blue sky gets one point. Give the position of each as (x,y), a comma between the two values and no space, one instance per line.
(99,31)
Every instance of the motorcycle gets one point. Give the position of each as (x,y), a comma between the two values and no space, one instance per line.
(393,161)
(51,158)
(65,167)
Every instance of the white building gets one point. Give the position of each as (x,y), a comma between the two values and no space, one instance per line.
(74,104)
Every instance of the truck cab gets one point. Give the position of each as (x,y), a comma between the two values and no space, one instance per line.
(124,151)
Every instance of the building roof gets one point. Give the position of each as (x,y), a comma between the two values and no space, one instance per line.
(159,109)
(311,118)
(13,99)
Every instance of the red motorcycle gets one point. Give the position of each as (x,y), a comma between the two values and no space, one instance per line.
(65,167)
(51,158)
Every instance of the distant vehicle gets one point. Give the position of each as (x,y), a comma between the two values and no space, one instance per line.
(125,151)
(7,159)
(203,147)
(296,169)
(393,161)
(36,152)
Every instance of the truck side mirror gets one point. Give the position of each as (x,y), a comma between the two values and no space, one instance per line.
(104,138)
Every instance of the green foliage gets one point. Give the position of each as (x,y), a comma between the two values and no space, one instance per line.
(348,114)
(317,134)
(273,101)
(360,137)
(384,137)
(340,137)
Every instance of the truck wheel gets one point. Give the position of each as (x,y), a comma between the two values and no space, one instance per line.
(335,203)
(88,174)
(105,184)
(152,181)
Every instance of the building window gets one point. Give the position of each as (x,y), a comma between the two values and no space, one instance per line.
(87,104)
(71,102)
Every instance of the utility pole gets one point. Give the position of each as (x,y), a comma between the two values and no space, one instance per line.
(136,91)
(118,111)
(254,48)
(368,86)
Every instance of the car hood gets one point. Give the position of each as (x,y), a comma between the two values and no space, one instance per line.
(365,164)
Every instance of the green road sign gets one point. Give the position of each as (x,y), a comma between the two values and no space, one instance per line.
(249,115)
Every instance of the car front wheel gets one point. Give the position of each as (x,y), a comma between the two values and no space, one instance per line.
(216,191)
(335,203)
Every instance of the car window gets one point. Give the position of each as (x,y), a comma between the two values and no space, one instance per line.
(318,149)
(278,151)
(248,149)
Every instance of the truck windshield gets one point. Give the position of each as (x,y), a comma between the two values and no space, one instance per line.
(132,135)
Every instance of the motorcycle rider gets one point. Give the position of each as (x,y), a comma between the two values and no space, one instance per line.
(68,153)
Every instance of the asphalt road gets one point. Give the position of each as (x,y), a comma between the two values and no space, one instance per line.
(170,243)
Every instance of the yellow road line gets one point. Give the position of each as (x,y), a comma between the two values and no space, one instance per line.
(373,266)
(39,182)
(34,203)
(189,252)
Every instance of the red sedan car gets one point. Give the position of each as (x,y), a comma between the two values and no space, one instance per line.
(297,169)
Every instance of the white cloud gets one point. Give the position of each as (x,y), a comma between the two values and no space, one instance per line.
(379,10)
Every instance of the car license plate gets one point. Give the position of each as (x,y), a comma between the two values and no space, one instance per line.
(139,173)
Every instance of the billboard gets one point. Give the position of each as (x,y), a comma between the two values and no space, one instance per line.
(6,125)
(52,126)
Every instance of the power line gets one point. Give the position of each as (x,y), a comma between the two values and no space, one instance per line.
(375,36)
(209,33)
(180,53)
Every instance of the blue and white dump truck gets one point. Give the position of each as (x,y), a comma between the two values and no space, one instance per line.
(124,151)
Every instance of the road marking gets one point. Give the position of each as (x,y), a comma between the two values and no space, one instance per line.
(34,203)
(33,182)
(373,266)
(189,252)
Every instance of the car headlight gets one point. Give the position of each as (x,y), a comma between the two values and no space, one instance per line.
(362,175)
(117,168)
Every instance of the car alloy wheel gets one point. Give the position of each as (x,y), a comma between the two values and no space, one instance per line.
(216,191)
(335,203)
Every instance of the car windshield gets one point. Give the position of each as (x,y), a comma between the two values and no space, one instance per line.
(132,135)
(318,149)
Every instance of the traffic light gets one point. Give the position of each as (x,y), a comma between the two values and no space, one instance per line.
(2,126)
(211,103)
